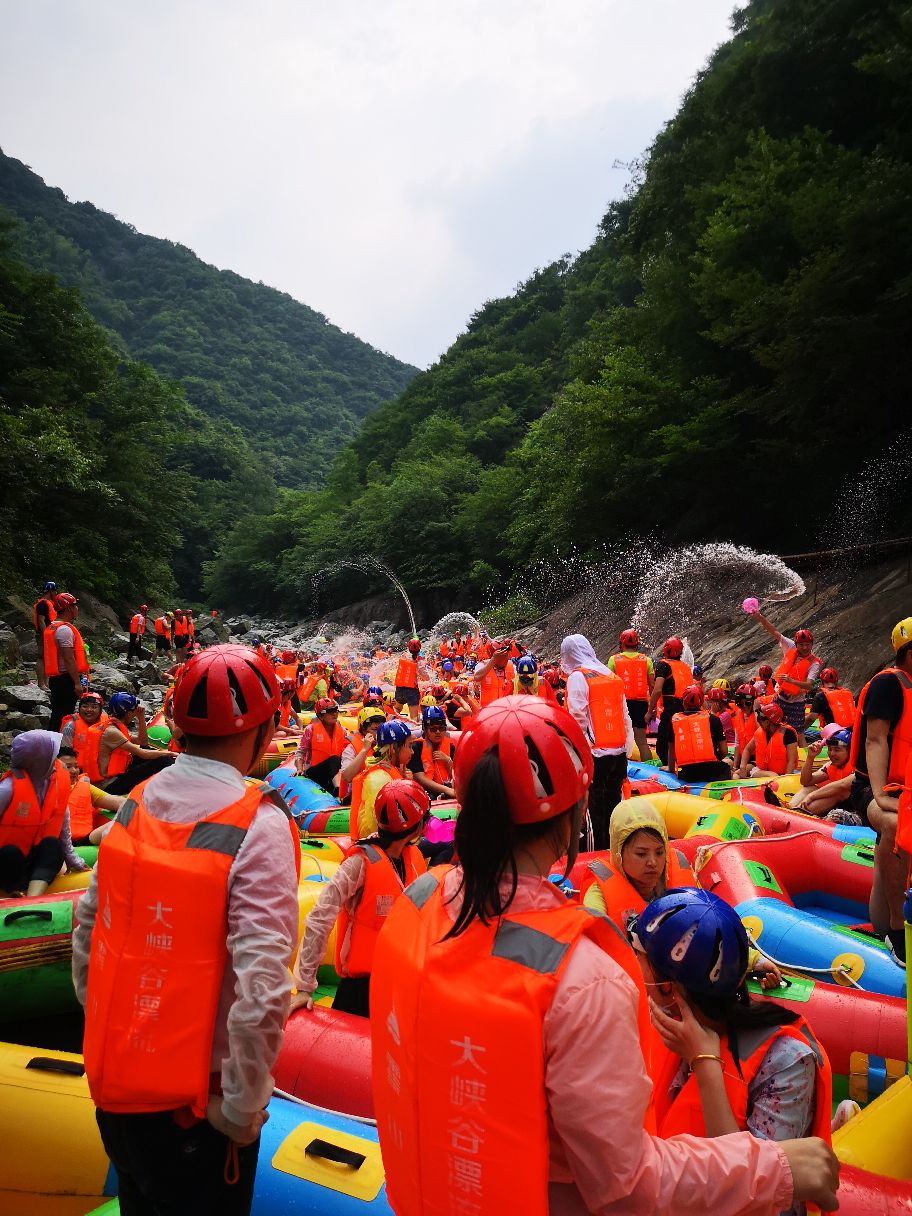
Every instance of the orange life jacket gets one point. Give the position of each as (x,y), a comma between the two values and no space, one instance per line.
(287,671)
(406,674)
(24,823)
(835,772)
(457,649)
(51,612)
(793,665)
(86,739)
(745,726)
(842,705)
(357,786)
(433,769)
(307,682)
(287,715)
(80,807)
(771,753)
(900,737)
(119,759)
(444,650)
(161,626)
(684,1114)
(693,742)
(158,953)
(623,903)
(180,630)
(138,623)
(635,674)
(457,1053)
(380,891)
(497,682)
(606,707)
(323,744)
(51,664)
(681,675)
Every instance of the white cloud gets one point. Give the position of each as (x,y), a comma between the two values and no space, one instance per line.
(392,164)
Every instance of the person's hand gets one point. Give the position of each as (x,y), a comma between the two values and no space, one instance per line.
(815,748)
(370,740)
(79,867)
(767,973)
(846,1110)
(447,760)
(141,713)
(241,1134)
(301,1000)
(687,1037)
(815,1172)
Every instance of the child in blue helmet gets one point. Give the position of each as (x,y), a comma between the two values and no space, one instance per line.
(827,791)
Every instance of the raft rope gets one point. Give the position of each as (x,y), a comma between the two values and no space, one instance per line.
(324,1110)
(706,851)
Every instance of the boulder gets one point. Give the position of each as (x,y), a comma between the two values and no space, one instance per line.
(6,742)
(148,673)
(24,697)
(110,678)
(119,642)
(9,647)
(19,722)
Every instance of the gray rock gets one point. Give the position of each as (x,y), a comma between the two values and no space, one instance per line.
(9,647)
(25,697)
(28,648)
(241,626)
(18,722)
(6,742)
(148,674)
(110,678)
(119,642)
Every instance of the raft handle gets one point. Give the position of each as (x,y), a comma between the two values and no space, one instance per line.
(72,1068)
(335,1152)
(24,913)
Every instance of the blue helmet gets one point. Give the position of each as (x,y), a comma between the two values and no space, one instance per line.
(447,664)
(697,670)
(694,938)
(50,586)
(375,691)
(364,677)
(526,666)
(843,737)
(122,703)
(394,732)
(432,713)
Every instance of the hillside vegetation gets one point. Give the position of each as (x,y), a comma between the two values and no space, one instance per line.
(295,385)
(725,356)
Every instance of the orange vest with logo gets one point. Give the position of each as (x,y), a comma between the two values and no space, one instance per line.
(82,814)
(436,770)
(357,786)
(323,744)
(793,665)
(457,1048)
(50,612)
(770,753)
(842,705)
(287,671)
(119,759)
(682,676)
(406,674)
(51,664)
(635,674)
(745,726)
(497,682)
(693,738)
(380,891)
(158,954)
(684,1114)
(24,823)
(606,707)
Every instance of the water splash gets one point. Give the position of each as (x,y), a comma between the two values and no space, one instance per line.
(445,627)
(369,565)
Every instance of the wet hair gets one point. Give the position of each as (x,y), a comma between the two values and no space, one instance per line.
(486,840)
(736,1011)
(66,751)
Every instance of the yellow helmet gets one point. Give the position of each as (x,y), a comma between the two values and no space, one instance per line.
(370,713)
(389,697)
(427,699)
(902,633)
(723,684)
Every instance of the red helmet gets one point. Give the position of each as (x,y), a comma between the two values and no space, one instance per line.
(803,635)
(92,696)
(224,690)
(288,686)
(64,600)
(400,807)
(673,648)
(438,691)
(772,711)
(143,607)
(551,675)
(321,664)
(414,646)
(765,672)
(692,696)
(288,656)
(717,694)
(745,690)
(829,675)
(545,762)
(460,690)
(324,705)
(629,639)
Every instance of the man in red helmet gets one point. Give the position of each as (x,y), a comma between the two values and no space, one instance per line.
(181,949)
(773,751)
(66,663)
(796,675)
(638,673)
(137,629)
(672,676)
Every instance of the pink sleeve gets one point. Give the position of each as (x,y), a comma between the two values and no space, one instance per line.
(598,1091)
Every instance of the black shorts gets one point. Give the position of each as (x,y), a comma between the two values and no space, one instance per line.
(406,696)
(637,710)
(161,642)
(860,797)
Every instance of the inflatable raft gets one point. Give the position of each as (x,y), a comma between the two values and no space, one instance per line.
(35,955)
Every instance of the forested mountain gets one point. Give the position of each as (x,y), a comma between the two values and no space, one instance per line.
(719,363)
(297,386)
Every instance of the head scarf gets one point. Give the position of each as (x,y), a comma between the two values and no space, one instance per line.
(576,651)
(34,751)
(631,816)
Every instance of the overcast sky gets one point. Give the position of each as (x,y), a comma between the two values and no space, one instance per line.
(392,163)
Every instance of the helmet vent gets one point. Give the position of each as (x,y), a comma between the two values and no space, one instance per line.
(238,700)
(267,691)
(541,778)
(198,705)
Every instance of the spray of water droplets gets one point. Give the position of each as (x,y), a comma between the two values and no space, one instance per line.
(367,565)
(447,625)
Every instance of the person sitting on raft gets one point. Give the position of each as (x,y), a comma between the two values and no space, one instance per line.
(744,720)
(33,800)
(390,758)
(734,1064)
(773,751)
(489,987)
(827,791)
(697,749)
(360,895)
(359,748)
(116,750)
(82,732)
(528,680)
(431,762)
(319,754)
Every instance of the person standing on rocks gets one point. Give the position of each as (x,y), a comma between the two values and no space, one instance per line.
(43,613)
(137,629)
(65,659)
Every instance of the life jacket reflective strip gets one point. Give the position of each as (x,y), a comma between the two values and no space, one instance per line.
(119,759)
(681,676)
(497,682)
(900,736)
(693,743)
(24,823)
(158,954)
(770,753)
(80,807)
(793,665)
(306,685)
(457,1048)
(382,887)
(842,705)
(357,787)
(745,726)
(684,1114)
(406,674)
(50,613)
(635,674)
(138,623)
(51,663)
(606,707)
(323,744)
(433,769)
